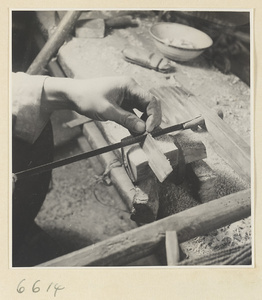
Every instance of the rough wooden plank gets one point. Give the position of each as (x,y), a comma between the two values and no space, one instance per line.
(230,145)
(139,242)
(172,248)
(156,158)
(175,108)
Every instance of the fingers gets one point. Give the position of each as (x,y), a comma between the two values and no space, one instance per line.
(154,114)
(138,98)
(126,119)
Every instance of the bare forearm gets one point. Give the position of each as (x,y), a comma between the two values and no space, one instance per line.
(35,98)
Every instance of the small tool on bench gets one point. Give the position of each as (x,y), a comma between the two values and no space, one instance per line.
(124,142)
(148,60)
(96,28)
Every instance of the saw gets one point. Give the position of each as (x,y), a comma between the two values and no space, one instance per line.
(130,140)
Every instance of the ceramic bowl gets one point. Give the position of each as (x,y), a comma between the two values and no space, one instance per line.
(179,42)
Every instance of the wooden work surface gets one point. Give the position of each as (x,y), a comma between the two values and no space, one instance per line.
(89,58)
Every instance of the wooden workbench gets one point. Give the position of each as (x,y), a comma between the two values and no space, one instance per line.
(89,58)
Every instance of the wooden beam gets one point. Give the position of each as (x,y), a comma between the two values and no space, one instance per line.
(54,43)
(129,246)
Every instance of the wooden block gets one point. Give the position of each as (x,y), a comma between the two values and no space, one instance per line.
(190,147)
(138,163)
(156,158)
(172,248)
(166,145)
(183,147)
(146,202)
(138,160)
(202,179)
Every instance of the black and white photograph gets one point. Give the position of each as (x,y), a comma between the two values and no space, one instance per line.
(132,138)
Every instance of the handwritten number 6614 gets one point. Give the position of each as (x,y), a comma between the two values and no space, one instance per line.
(36,289)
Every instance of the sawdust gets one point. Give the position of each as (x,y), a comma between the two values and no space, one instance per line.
(236,234)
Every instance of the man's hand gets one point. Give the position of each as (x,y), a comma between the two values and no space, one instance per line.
(111,98)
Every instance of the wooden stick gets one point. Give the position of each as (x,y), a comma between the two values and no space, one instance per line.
(54,43)
(172,248)
(129,246)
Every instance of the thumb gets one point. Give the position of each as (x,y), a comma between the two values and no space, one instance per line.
(128,120)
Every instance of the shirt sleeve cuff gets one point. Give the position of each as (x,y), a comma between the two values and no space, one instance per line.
(30,116)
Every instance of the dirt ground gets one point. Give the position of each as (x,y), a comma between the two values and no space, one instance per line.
(79,209)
